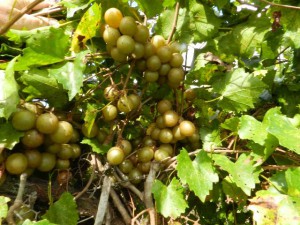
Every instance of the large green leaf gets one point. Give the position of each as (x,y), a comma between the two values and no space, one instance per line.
(9,97)
(150,8)
(247,37)
(199,174)
(70,74)
(9,137)
(87,28)
(169,199)
(243,172)
(38,84)
(63,211)
(44,47)
(275,208)
(239,90)
(292,177)
(282,128)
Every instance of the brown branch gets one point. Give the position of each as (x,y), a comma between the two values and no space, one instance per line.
(19,199)
(120,206)
(174,22)
(18,15)
(279,5)
(279,167)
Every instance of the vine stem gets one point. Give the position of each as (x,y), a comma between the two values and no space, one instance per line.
(279,5)
(18,15)
(174,22)
(117,202)
(19,199)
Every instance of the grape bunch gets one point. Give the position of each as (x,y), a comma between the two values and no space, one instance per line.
(47,143)
(127,40)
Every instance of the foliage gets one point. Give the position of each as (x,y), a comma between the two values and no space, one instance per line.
(241,63)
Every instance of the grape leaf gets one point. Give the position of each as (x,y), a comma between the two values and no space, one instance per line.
(169,199)
(273,208)
(70,74)
(3,207)
(281,127)
(63,211)
(292,176)
(239,90)
(246,38)
(87,28)
(39,85)
(150,8)
(95,145)
(201,175)
(74,6)
(44,47)
(9,137)
(9,97)
(210,137)
(233,192)
(243,173)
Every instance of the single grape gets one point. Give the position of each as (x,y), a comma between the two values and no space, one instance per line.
(113,17)
(23,120)
(111,35)
(142,34)
(128,26)
(125,44)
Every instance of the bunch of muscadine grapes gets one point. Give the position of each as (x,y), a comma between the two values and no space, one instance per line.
(128,40)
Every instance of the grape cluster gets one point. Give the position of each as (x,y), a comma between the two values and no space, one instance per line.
(47,143)
(127,40)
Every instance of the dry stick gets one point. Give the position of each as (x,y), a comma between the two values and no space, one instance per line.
(19,199)
(48,11)
(17,16)
(279,5)
(148,192)
(103,202)
(138,215)
(117,202)
(174,22)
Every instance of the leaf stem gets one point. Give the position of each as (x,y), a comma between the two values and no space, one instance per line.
(279,5)
(174,22)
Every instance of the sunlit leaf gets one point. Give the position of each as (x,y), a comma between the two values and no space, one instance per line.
(169,199)
(3,207)
(201,175)
(9,136)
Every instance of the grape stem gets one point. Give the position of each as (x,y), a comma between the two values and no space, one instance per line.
(18,201)
(174,22)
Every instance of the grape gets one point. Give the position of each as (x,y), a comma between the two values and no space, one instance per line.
(16,163)
(34,157)
(109,112)
(153,63)
(63,133)
(160,122)
(89,131)
(158,41)
(148,141)
(113,17)
(145,154)
(149,50)
(125,44)
(102,134)
(176,60)
(151,76)
(47,163)
(163,106)
(165,135)
(23,120)
(111,93)
(126,166)
(187,128)
(32,138)
(161,155)
(66,151)
(190,94)
(177,134)
(144,167)
(164,53)
(128,26)
(139,51)
(125,104)
(76,151)
(164,69)
(142,34)
(136,100)
(115,156)
(155,133)
(170,118)
(62,164)
(176,75)
(126,146)
(117,55)
(135,176)
(111,35)
(168,148)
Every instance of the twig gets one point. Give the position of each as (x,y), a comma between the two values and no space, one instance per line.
(103,202)
(138,215)
(148,193)
(279,5)
(19,199)
(279,167)
(18,15)
(120,207)
(174,22)
(48,11)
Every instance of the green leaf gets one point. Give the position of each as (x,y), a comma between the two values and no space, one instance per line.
(281,127)
(150,8)
(70,74)
(271,208)
(199,174)
(95,145)
(3,207)
(243,173)
(9,136)
(74,6)
(233,192)
(247,37)
(9,97)
(63,211)
(210,137)
(239,90)
(87,28)
(292,177)
(169,199)
(44,47)
(38,84)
